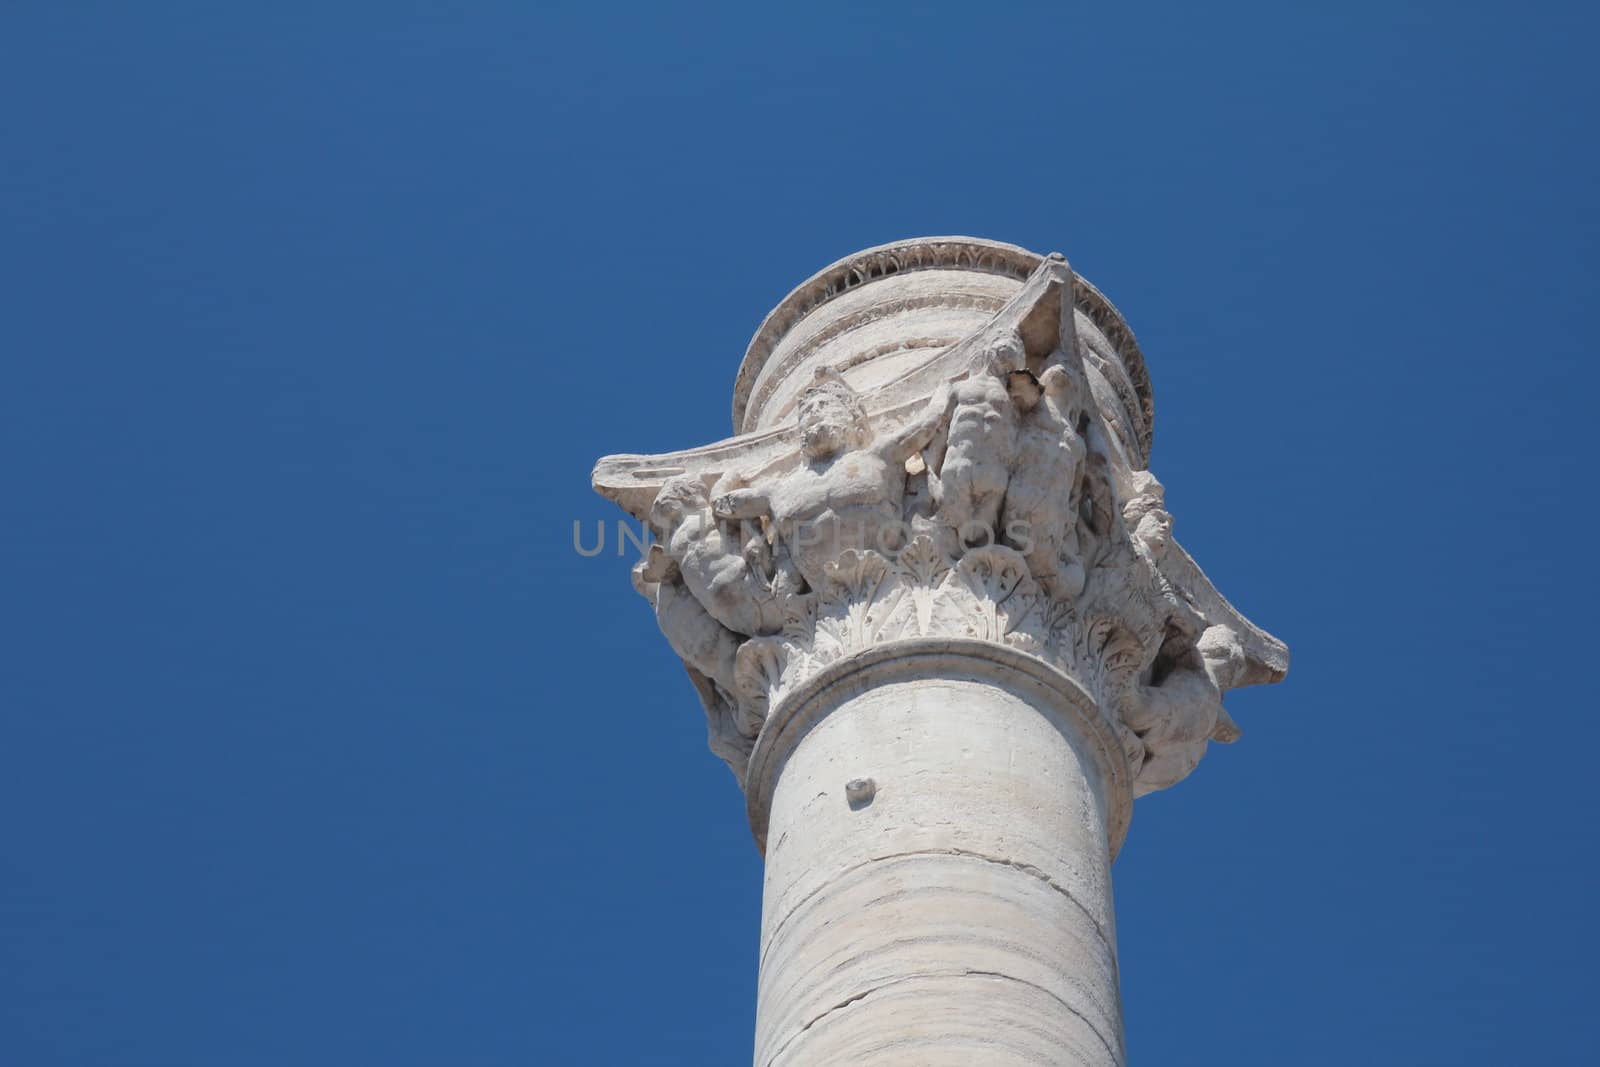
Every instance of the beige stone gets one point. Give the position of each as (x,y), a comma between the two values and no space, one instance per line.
(931,602)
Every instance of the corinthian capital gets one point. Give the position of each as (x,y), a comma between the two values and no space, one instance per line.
(941,440)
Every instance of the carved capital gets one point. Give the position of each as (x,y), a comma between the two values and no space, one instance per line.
(993,493)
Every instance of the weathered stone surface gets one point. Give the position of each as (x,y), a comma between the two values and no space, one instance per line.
(988,483)
(974,887)
(932,605)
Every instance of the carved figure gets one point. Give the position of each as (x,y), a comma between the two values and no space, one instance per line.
(1150,526)
(850,487)
(714,566)
(700,640)
(1175,718)
(971,480)
(1039,516)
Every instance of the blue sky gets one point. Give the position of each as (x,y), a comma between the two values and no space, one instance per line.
(320,745)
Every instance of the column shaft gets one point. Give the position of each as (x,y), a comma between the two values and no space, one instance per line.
(963,913)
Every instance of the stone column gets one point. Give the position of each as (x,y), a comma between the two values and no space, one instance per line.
(939,819)
(931,603)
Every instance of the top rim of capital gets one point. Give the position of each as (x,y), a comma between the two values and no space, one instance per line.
(975,254)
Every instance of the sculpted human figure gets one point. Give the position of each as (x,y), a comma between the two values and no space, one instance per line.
(1039,516)
(699,640)
(1176,718)
(850,486)
(713,564)
(708,648)
(1150,528)
(971,481)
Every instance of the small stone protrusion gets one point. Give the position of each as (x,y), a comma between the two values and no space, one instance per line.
(860,791)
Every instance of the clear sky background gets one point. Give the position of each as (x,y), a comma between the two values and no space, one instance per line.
(320,745)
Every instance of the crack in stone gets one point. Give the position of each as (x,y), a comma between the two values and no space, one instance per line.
(845,1003)
(1025,868)
(964,973)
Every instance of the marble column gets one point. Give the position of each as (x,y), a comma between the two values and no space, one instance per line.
(940,817)
(931,603)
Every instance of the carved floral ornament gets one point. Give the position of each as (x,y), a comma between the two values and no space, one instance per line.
(984,496)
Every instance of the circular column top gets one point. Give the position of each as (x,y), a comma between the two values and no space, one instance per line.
(934,289)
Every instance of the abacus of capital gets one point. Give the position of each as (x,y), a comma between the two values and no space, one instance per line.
(931,603)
